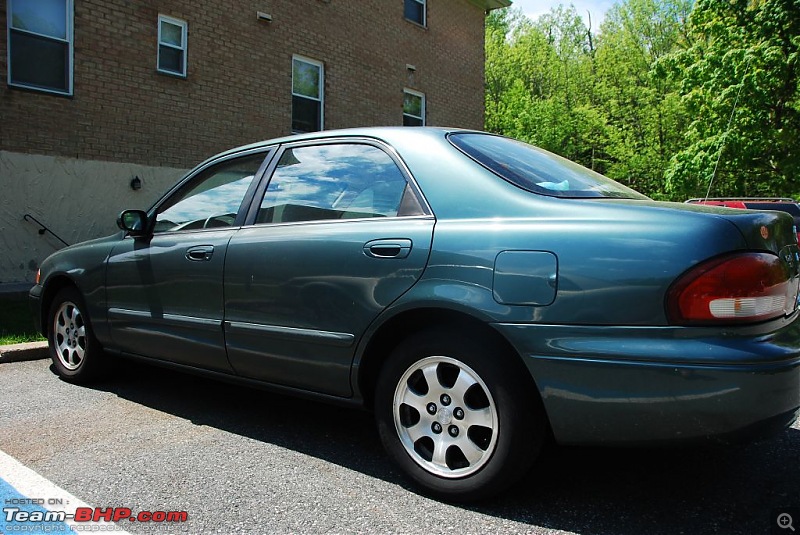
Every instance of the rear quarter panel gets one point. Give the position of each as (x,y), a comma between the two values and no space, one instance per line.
(614,263)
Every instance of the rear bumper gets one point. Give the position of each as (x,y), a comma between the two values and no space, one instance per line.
(633,385)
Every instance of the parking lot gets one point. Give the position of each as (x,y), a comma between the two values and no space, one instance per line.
(247,461)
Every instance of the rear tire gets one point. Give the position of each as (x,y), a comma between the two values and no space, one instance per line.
(458,415)
(76,354)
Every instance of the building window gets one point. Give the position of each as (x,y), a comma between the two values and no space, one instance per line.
(413,108)
(308,91)
(172,46)
(414,11)
(40,45)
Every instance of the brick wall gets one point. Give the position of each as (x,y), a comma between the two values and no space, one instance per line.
(238,85)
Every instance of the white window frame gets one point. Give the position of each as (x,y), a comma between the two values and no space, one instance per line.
(184,42)
(320,93)
(422,108)
(424,4)
(70,13)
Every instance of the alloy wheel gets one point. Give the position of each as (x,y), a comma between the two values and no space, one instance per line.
(69,335)
(445,417)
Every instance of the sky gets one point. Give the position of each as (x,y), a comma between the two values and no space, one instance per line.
(534,8)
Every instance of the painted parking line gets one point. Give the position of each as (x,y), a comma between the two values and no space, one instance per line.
(33,504)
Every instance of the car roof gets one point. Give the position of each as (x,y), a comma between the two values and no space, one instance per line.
(384,133)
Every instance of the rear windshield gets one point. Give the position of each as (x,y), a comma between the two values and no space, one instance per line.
(537,170)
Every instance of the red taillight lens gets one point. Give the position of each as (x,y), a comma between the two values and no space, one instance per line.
(743,288)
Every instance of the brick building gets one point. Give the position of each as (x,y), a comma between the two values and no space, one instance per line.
(97,93)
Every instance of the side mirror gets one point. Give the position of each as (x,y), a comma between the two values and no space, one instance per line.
(133,222)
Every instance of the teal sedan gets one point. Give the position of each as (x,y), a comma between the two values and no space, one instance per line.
(480,295)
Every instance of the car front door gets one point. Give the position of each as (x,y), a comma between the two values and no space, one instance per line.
(165,290)
(340,233)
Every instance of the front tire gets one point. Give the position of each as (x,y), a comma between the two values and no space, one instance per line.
(458,414)
(76,354)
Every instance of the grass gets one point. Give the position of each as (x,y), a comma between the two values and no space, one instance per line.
(16,321)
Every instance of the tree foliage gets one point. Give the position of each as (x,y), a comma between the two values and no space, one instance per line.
(739,82)
(648,98)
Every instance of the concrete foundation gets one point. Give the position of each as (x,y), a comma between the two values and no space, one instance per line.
(77,199)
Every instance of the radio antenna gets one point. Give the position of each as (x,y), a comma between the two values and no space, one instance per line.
(727,130)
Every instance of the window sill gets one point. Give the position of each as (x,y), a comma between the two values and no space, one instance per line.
(37,89)
(417,24)
(172,74)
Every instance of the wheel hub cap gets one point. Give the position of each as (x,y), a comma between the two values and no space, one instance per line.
(69,335)
(445,416)
(449,441)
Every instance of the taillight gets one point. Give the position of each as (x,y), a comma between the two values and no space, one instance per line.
(38,275)
(741,288)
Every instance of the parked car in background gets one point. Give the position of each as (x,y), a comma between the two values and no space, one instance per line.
(481,295)
(780,204)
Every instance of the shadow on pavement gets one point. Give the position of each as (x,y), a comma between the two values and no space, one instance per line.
(734,489)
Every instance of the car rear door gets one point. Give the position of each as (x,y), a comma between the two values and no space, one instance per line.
(340,233)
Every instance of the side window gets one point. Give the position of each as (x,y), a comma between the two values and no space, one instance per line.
(211,200)
(171,46)
(40,45)
(336,181)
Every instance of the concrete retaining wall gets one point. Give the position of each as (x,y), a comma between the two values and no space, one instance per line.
(77,199)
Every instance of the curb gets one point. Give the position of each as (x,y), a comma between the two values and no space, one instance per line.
(27,351)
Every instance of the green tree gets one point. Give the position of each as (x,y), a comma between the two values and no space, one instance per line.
(591,98)
(739,82)
(646,118)
(538,80)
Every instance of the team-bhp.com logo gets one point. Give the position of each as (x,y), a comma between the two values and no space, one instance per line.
(94,514)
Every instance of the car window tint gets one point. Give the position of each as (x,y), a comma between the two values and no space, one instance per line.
(212,199)
(333,181)
(536,170)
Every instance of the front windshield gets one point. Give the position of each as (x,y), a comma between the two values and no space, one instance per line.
(537,170)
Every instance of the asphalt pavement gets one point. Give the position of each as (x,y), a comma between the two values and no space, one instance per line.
(245,461)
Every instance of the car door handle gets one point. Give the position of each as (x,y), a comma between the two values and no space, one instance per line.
(200,253)
(388,248)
